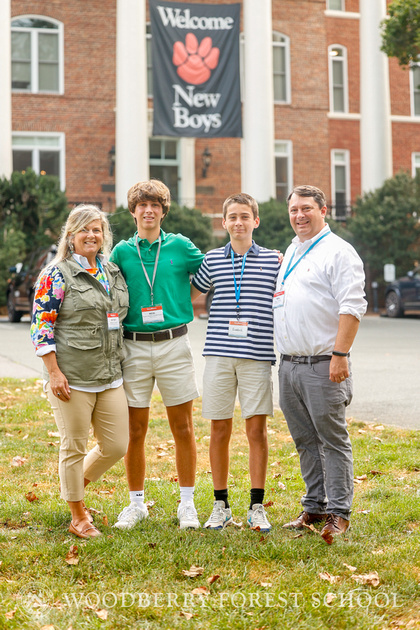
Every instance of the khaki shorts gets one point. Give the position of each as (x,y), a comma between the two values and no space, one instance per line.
(168,363)
(224,376)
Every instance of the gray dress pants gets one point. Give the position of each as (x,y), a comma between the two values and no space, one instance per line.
(314,408)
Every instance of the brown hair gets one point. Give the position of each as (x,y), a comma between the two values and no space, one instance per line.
(152,190)
(242,198)
(309,191)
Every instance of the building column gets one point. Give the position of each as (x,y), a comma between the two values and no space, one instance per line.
(375,102)
(131,129)
(258,167)
(6,164)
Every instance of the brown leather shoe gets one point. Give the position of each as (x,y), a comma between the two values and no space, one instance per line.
(335,525)
(84,532)
(305,518)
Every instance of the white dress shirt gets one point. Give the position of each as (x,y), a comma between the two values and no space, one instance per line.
(327,282)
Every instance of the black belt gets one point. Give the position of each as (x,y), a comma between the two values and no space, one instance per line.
(310,360)
(159,335)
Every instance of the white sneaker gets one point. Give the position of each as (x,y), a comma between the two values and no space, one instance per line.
(187,515)
(131,515)
(258,518)
(220,517)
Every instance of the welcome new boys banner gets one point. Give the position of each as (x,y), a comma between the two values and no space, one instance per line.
(195,54)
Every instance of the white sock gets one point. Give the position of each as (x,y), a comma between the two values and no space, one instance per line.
(187,494)
(137,497)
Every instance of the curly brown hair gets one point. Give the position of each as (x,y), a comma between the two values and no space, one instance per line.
(152,190)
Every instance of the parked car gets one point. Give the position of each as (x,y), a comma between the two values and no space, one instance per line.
(20,289)
(403,294)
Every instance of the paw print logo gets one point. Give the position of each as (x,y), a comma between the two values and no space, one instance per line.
(195,62)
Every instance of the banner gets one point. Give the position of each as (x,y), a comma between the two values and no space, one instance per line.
(195,55)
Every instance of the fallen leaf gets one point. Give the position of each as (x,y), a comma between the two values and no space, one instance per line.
(361,431)
(213,579)
(7,434)
(349,567)
(187,615)
(269,504)
(73,555)
(281,486)
(371,579)
(223,549)
(357,481)
(10,614)
(201,590)
(292,455)
(378,553)
(53,434)
(31,496)
(379,428)
(257,528)
(329,598)
(238,524)
(193,571)
(298,536)
(152,545)
(102,614)
(377,439)
(275,464)
(92,510)
(149,504)
(276,475)
(332,579)
(361,477)
(47,627)
(105,519)
(363,511)
(266,584)
(376,472)
(18,460)
(25,437)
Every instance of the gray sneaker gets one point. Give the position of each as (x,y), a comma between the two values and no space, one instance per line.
(131,515)
(187,515)
(258,518)
(220,517)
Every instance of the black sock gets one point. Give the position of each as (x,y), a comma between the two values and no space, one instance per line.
(257,496)
(222,495)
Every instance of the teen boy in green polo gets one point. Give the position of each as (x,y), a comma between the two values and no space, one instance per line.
(157,268)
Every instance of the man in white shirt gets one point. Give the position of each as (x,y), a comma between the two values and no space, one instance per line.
(318,304)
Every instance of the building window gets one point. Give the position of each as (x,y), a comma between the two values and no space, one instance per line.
(37,55)
(336,5)
(284,165)
(415,89)
(415,164)
(43,152)
(149,60)
(164,163)
(337,56)
(281,68)
(340,183)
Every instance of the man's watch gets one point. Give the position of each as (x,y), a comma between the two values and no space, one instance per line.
(340,354)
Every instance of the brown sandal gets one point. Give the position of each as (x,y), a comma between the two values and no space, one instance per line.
(87,532)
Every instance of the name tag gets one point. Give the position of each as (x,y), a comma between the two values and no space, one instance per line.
(113,321)
(278,299)
(238,329)
(152,314)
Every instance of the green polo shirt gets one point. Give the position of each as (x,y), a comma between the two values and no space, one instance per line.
(178,258)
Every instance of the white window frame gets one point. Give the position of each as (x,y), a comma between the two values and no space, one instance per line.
(413,89)
(34,32)
(169,161)
(343,6)
(331,57)
(337,162)
(278,152)
(61,149)
(149,62)
(415,163)
(286,45)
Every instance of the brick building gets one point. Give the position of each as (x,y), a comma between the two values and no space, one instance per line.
(320,103)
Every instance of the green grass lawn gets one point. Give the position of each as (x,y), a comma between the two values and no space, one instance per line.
(246,579)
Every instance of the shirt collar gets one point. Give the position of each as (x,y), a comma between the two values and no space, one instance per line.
(142,240)
(303,245)
(254,249)
(83,261)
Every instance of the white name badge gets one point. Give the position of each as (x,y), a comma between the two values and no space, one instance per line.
(238,329)
(113,321)
(152,314)
(278,299)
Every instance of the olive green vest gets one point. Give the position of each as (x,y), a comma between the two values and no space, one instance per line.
(89,354)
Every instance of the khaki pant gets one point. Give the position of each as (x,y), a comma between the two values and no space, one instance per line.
(107,412)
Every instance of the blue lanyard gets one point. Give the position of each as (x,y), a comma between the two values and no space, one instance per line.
(237,288)
(289,269)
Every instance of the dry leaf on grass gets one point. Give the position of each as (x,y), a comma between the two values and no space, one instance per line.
(361,477)
(18,461)
(53,434)
(349,567)
(152,545)
(332,579)
(31,496)
(330,597)
(276,475)
(281,486)
(266,584)
(10,614)
(370,579)
(201,590)
(269,504)
(73,555)
(47,627)
(102,614)
(275,464)
(376,472)
(213,579)
(149,504)
(193,571)
(105,520)
(292,455)
(187,615)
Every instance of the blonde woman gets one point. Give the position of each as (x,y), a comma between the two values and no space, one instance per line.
(80,302)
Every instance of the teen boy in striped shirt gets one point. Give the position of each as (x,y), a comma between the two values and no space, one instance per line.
(239,352)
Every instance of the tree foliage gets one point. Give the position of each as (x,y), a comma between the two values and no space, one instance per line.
(385,227)
(401,31)
(32,212)
(187,221)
